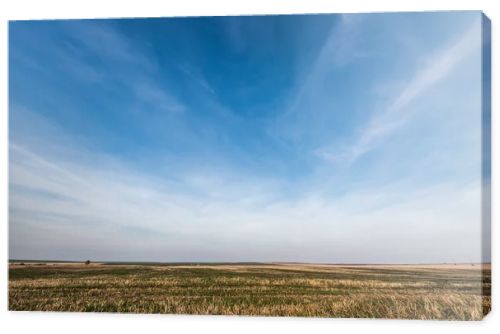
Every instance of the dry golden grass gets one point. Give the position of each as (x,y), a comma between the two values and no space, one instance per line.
(458,292)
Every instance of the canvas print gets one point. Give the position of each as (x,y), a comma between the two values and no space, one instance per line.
(331,165)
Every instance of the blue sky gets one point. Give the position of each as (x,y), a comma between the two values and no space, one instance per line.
(322,138)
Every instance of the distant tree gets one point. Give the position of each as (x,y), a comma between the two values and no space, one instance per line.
(87,262)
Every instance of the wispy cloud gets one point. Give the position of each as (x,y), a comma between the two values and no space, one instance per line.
(105,41)
(133,157)
(436,67)
(198,78)
(156,97)
(64,209)
(99,53)
(337,50)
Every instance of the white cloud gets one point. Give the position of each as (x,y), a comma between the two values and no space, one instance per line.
(337,50)
(156,97)
(435,68)
(86,205)
(122,63)
(59,209)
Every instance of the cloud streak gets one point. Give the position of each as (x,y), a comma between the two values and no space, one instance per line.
(89,211)
(131,144)
(436,68)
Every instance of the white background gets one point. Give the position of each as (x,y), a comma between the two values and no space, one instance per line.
(123,323)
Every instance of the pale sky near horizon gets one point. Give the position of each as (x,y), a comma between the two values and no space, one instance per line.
(346,138)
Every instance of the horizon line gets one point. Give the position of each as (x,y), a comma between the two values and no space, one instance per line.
(247,262)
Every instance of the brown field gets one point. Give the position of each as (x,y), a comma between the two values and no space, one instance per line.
(446,292)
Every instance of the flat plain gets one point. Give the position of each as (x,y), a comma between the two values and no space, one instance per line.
(445,292)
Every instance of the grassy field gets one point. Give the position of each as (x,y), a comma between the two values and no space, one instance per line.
(414,292)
